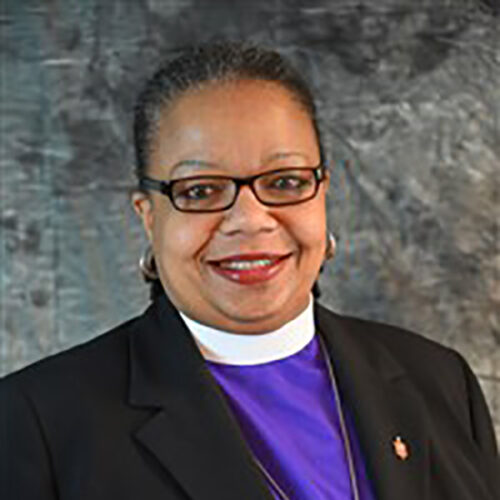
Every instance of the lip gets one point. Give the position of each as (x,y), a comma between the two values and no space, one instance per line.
(250,256)
(252,276)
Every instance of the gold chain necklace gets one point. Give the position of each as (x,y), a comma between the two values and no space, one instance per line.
(345,437)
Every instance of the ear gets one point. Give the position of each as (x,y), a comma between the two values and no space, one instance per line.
(143,207)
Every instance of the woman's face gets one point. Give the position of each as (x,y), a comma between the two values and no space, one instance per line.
(241,128)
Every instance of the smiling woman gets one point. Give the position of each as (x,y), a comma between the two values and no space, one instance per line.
(236,383)
(208,112)
(247,115)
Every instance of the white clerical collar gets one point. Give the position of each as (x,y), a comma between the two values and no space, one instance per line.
(253,349)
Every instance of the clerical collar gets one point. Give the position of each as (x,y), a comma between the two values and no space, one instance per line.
(253,349)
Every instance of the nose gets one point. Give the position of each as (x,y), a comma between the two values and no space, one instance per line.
(248,214)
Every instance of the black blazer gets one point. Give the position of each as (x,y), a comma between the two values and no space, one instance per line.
(134,414)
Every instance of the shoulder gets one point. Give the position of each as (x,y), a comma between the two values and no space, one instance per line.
(437,371)
(440,374)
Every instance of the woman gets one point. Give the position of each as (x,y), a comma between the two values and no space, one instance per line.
(235,383)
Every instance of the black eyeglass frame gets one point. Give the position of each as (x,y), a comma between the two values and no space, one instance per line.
(165,187)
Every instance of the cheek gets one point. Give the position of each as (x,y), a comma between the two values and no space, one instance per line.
(177,239)
(314,239)
(309,228)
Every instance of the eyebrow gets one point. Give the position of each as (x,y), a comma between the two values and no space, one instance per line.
(188,164)
(206,165)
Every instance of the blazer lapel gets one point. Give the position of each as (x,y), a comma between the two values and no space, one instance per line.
(193,433)
(384,405)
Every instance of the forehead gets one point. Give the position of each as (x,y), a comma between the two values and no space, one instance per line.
(232,123)
(210,95)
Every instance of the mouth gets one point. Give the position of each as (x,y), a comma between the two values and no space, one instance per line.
(247,261)
(249,271)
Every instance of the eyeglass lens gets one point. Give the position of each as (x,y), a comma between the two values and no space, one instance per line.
(213,193)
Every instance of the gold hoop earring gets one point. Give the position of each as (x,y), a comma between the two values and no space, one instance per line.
(147,265)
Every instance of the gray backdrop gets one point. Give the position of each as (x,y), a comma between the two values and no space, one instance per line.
(410,107)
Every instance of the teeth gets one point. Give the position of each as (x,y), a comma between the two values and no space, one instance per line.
(246,264)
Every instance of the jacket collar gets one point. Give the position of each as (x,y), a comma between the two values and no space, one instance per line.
(195,437)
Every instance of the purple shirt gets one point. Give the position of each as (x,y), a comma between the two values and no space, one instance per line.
(287,412)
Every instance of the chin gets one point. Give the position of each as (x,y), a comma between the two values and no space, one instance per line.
(253,309)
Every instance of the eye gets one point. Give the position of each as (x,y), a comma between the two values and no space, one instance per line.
(199,192)
(289,182)
(199,189)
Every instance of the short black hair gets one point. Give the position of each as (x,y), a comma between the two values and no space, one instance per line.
(217,62)
(196,66)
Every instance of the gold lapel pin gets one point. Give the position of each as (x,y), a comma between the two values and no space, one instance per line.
(401,449)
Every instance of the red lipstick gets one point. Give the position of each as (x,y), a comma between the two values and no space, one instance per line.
(250,275)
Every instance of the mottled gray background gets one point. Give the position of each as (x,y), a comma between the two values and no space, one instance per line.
(409,93)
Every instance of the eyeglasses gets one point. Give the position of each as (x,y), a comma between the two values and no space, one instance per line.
(214,193)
